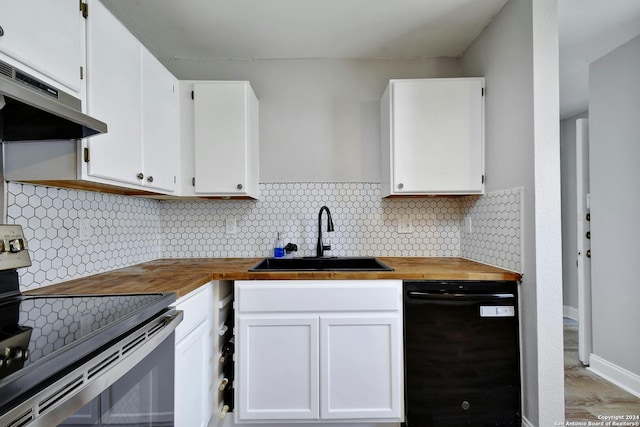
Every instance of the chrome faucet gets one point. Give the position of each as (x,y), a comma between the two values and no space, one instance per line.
(320,248)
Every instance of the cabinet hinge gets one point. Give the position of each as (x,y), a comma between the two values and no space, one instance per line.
(84,8)
(81,73)
(192,95)
(86,154)
(193,181)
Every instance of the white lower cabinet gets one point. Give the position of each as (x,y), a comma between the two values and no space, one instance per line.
(319,351)
(278,369)
(193,354)
(361,366)
(191,384)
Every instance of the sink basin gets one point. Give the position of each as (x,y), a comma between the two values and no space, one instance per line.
(321,264)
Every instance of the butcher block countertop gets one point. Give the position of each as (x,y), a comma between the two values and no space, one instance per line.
(185,275)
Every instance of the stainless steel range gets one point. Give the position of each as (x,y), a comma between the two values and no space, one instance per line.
(65,357)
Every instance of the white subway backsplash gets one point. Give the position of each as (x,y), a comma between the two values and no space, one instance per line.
(128,230)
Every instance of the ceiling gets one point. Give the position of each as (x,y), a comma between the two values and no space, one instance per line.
(261,29)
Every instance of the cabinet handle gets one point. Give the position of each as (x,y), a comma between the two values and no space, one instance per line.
(140,175)
(239,186)
(1,31)
(150,179)
(400,186)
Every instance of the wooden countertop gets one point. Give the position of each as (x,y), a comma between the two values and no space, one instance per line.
(185,275)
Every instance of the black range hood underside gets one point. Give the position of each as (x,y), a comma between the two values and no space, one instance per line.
(31,110)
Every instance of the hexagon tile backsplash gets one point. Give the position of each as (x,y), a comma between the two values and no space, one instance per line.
(73,234)
(364,224)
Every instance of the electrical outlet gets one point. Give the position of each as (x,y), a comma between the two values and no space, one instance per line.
(405,225)
(85,231)
(230,225)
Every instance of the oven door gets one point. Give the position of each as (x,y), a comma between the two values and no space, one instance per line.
(142,397)
(128,383)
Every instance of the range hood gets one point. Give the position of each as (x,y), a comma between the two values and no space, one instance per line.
(31,110)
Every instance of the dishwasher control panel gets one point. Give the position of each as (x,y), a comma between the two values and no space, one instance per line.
(497,311)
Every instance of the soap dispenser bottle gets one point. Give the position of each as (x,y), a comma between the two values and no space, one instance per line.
(278,250)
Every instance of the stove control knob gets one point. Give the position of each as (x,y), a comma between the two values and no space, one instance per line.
(16,245)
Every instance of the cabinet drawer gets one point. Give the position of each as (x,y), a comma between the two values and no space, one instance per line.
(318,295)
(196,307)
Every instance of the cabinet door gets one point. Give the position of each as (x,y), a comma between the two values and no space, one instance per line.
(276,368)
(437,128)
(225,127)
(114,95)
(361,366)
(160,125)
(191,378)
(46,36)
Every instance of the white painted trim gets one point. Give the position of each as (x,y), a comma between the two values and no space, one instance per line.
(624,379)
(526,423)
(570,312)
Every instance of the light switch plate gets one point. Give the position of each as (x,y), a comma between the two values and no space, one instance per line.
(230,225)
(468,225)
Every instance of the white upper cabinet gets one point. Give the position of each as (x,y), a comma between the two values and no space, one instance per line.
(47,37)
(160,125)
(114,95)
(432,137)
(137,97)
(224,155)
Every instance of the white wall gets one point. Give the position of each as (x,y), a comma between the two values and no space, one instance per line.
(319,118)
(517,54)
(569,209)
(614,135)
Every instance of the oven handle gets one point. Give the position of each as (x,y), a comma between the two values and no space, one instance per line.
(66,396)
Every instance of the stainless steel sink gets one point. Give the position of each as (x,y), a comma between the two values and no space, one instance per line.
(321,264)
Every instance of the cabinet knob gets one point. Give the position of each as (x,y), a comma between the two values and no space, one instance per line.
(239,186)
(400,186)
(150,179)
(140,175)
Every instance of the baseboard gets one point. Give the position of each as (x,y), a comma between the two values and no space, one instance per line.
(526,423)
(624,379)
(570,312)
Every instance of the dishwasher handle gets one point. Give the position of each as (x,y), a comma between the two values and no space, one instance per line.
(466,297)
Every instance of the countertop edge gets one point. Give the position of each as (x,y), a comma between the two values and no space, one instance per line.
(184,275)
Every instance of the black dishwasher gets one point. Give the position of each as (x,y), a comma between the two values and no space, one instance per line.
(462,356)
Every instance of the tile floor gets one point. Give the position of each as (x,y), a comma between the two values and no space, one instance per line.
(587,395)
